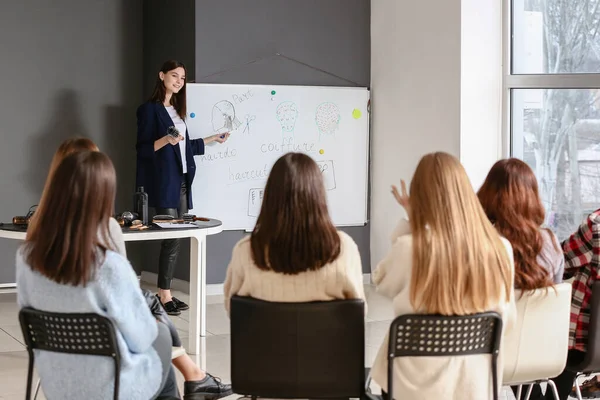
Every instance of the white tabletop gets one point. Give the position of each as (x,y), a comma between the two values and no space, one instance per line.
(212,227)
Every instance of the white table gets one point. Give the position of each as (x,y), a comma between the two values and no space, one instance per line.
(197,324)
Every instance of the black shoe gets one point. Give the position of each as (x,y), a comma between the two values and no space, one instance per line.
(180,304)
(171,308)
(210,388)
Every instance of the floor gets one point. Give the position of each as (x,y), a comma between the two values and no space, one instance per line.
(215,358)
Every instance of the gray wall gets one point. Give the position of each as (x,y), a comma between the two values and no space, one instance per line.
(69,67)
(74,69)
(332,35)
(167,38)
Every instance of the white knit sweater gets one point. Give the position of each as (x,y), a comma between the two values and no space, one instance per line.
(341,279)
(416,378)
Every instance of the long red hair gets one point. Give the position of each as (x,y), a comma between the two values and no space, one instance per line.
(512,202)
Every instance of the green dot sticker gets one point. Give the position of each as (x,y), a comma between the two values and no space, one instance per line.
(273,92)
(356,114)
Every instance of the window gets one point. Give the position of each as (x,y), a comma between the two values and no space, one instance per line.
(552,103)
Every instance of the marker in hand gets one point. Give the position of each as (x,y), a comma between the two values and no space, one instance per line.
(172,131)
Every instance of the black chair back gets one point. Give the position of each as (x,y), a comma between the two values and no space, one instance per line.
(87,334)
(297,350)
(436,335)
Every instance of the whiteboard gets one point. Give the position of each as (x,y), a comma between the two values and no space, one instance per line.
(331,124)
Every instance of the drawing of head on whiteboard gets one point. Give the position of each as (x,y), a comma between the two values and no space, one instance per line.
(223,117)
(327,118)
(287,114)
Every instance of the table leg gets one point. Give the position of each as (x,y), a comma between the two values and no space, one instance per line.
(197,326)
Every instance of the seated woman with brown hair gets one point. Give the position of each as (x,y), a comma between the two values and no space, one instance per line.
(198,383)
(66,266)
(509,196)
(295,253)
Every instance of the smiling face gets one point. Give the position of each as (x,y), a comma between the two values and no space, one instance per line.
(173,80)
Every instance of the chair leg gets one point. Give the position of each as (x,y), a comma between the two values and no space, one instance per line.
(552,385)
(529,390)
(519,392)
(29,376)
(577,389)
(37,389)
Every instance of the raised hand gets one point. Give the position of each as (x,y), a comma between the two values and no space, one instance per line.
(402,196)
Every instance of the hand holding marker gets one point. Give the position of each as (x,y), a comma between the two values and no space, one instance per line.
(173,137)
(173,132)
(228,124)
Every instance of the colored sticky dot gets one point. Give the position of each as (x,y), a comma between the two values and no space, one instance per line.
(193,115)
(321,151)
(273,92)
(356,114)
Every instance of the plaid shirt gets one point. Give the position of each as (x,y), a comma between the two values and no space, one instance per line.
(582,261)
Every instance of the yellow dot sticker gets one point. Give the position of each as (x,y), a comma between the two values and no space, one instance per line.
(321,151)
(356,114)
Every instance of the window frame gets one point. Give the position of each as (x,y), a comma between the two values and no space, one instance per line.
(512,81)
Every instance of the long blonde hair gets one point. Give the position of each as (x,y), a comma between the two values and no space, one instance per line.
(460,265)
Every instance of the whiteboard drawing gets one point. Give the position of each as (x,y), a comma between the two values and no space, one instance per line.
(328,172)
(287,114)
(223,117)
(255,197)
(249,119)
(231,177)
(328,118)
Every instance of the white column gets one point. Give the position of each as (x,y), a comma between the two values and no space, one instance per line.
(415,82)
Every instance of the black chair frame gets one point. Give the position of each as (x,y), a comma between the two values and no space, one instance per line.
(75,333)
(297,350)
(416,335)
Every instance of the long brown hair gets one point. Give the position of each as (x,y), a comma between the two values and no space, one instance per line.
(512,202)
(64,243)
(67,147)
(294,232)
(460,265)
(178,100)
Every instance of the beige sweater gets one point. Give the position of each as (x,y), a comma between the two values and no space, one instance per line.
(448,378)
(116,235)
(341,279)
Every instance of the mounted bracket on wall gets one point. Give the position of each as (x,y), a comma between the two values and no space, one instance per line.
(285,57)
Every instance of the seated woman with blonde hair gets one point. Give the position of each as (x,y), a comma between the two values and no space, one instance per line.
(447,259)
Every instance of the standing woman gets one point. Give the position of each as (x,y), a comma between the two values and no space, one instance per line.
(165,164)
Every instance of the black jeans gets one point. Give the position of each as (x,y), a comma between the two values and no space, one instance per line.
(169,248)
(162,345)
(564,382)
